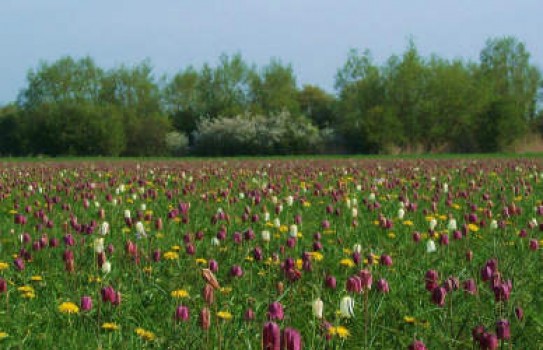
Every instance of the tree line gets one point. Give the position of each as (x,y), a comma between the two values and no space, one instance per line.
(407,104)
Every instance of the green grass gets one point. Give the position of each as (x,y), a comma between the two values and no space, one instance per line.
(146,286)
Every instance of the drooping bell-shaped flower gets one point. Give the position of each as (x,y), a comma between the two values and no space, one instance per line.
(318,307)
(346,307)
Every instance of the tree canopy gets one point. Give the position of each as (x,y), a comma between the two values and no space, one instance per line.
(410,103)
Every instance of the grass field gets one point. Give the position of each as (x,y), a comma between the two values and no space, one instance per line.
(110,253)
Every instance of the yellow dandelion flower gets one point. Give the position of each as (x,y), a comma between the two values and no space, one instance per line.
(26,289)
(299,235)
(347,251)
(249,258)
(13,211)
(307,204)
(180,293)
(201,261)
(269,224)
(226,290)
(177,219)
(126,230)
(391,235)
(262,273)
(347,262)
(299,264)
(409,319)
(94,279)
(171,256)
(3,265)
(36,278)
(342,332)
(224,315)
(176,248)
(29,295)
(456,206)
(147,269)
(473,227)
(442,217)
(3,335)
(316,256)
(145,335)
(68,307)
(429,218)
(408,223)
(376,222)
(110,326)
(283,228)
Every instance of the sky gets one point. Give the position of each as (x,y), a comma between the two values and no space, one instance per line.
(314,36)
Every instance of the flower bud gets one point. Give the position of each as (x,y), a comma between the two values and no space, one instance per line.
(208,294)
(182,313)
(271,336)
(86,303)
(275,311)
(205,318)
(318,306)
(291,339)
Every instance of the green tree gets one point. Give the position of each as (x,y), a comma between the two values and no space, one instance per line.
(274,90)
(183,100)
(365,120)
(317,105)
(137,96)
(64,80)
(513,82)
(212,92)
(12,131)
(405,79)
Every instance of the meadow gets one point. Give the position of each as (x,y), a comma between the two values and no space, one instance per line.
(318,253)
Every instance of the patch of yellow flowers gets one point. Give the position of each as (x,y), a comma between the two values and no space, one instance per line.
(180,293)
(68,307)
(171,256)
(340,331)
(145,335)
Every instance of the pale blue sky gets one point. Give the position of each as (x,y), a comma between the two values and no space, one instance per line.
(313,35)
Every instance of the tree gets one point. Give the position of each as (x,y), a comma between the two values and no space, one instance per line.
(64,80)
(513,83)
(317,105)
(274,90)
(12,138)
(405,81)
(75,129)
(183,100)
(365,120)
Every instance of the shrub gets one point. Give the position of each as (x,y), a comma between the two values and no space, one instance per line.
(251,135)
(177,143)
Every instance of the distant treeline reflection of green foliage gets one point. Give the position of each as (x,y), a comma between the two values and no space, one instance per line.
(408,104)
